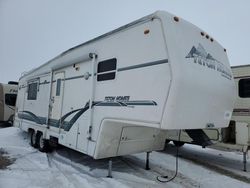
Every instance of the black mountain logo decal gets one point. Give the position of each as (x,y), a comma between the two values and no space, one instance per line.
(202,57)
(199,52)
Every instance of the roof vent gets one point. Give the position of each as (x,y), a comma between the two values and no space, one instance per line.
(13,83)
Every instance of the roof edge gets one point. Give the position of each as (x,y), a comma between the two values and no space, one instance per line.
(138,21)
(240,66)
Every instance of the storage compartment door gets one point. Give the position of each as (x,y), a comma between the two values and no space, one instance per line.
(242,134)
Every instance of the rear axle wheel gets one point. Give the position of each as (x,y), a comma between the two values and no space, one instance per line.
(33,139)
(43,144)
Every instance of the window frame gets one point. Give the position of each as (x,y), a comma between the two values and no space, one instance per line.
(11,95)
(103,71)
(29,96)
(58,86)
(242,86)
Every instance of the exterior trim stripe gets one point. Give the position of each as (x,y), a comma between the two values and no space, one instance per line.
(240,77)
(118,70)
(75,77)
(66,125)
(143,65)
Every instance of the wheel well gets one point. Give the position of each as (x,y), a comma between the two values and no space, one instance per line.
(31,130)
(53,141)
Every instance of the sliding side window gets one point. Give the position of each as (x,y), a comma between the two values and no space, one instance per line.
(106,70)
(32,90)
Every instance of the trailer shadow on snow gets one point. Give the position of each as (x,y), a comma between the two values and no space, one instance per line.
(129,164)
(5,125)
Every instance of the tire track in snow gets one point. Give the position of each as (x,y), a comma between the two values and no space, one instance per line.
(63,160)
(50,162)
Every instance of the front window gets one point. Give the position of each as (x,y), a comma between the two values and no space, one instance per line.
(10,99)
(244,88)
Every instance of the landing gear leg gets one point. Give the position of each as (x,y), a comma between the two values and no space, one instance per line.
(245,161)
(110,169)
(147,161)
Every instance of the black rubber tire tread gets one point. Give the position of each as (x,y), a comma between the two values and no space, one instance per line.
(32,142)
(45,146)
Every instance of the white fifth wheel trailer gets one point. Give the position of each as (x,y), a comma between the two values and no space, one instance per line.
(8,95)
(235,137)
(118,93)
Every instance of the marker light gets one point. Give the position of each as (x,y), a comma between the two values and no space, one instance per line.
(146,31)
(176,19)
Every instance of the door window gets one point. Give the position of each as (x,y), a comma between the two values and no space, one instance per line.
(58,87)
(32,91)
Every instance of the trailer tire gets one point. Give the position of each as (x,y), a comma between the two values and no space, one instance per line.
(33,139)
(43,144)
(178,143)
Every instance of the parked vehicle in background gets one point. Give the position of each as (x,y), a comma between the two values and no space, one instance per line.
(118,93)
(237,135)
(8,95)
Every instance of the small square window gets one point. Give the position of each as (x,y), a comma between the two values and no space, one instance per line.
(107,76)
(107,65)
(106,70)
(244,88)
(10,99)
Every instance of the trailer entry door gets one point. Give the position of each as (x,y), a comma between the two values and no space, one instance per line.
(56,97)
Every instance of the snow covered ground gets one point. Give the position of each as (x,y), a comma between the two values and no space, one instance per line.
(65,168)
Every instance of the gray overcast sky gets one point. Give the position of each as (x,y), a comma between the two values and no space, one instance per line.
(34,31)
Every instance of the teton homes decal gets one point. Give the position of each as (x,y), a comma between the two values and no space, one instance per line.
(203,58)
